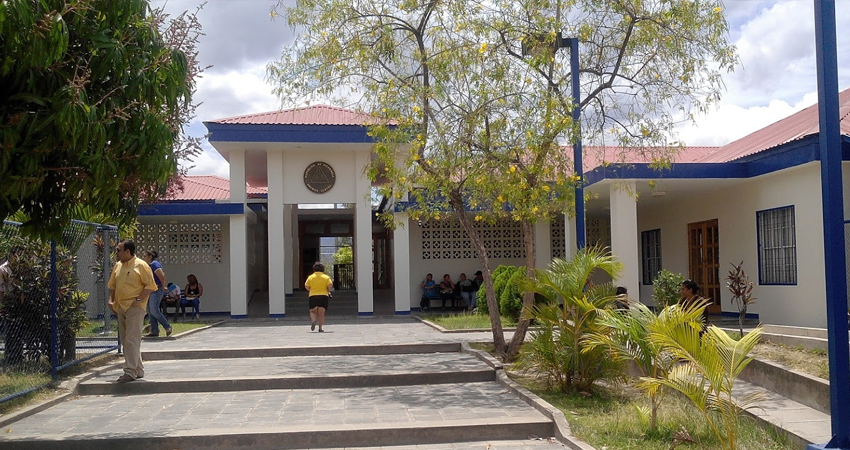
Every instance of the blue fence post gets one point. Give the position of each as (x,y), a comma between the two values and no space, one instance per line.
(54,316)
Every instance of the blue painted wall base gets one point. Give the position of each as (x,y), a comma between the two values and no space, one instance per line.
(402,313)
(365,314)
(277,316)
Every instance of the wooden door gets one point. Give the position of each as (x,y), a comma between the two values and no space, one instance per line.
(704,261)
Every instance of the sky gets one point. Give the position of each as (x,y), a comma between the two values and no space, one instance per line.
(775,44)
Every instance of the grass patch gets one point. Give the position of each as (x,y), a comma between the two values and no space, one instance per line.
(17,381)
(96,328)
(13,381)
(609,418)
(812,362)
(9,378)
(465,321)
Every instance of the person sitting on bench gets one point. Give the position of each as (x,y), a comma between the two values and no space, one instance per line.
(447,292)
(429,292)
(171,299)
(193,291)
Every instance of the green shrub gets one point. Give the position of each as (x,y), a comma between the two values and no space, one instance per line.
(498,284)
(506,284)
(666,288)
(26,308)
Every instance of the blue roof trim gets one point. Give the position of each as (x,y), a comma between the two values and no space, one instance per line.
(191,209)
(788,155)
(676,171)
(349,134)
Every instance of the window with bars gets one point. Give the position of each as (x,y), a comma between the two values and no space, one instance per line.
(777,246)
(650,244)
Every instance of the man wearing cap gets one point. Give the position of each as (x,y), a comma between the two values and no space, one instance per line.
(129,286)
(478,281)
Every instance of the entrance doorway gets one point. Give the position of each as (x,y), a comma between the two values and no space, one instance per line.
(704,261)
(382,260)
(330,242)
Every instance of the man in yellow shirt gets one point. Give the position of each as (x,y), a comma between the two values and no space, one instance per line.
(129,286)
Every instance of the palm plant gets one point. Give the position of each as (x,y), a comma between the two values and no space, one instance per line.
(558,349)
(710,365)
(627,337)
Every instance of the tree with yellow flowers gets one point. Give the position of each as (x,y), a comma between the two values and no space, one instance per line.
(472,103)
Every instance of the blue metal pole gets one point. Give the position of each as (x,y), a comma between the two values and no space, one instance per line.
(579,191)
(54,319)
(833,224)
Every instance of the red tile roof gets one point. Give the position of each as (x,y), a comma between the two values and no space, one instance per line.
(791,128)
(596,155)
(210,187)
(310,115)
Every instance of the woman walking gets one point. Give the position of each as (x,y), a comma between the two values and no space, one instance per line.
(319,286)
(155,314)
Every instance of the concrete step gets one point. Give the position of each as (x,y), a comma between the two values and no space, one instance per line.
(294,372)
(149,354)
(282,419)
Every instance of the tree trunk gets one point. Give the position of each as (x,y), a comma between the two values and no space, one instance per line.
(653,418)
(527,297)
(457,204)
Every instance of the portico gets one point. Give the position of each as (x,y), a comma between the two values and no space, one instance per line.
(308,156)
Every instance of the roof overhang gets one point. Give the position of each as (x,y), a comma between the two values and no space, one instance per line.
(191,208)
(693,178)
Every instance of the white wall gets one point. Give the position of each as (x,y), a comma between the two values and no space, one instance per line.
(214,277)
(735,208)
(420,267)
(343,162)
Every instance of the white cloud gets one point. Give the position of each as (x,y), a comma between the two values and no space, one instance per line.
(730,121)
(775,42)
(228,94)
(210,163)
(234,93)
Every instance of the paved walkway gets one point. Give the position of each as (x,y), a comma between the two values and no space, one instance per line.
(388,382)
(363,374)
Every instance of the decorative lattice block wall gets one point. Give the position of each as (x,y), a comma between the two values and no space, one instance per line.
(445,239)
(558,236)
(181,243)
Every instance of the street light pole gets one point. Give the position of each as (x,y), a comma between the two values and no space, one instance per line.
(532,45)
(829,137)
(577,152)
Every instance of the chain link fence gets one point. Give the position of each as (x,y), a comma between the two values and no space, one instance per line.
(53,304)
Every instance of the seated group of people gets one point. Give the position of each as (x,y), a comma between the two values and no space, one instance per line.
(190,296)
(461,295)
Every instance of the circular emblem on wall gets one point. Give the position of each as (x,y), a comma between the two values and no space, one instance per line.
(319,177)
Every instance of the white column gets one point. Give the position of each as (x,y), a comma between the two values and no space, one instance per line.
(569,237)
(237,176)
(289,242)
(238,266)
(363,236)
(542,244)
(624,234)
(277,227)
(238,238)
(401,264)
